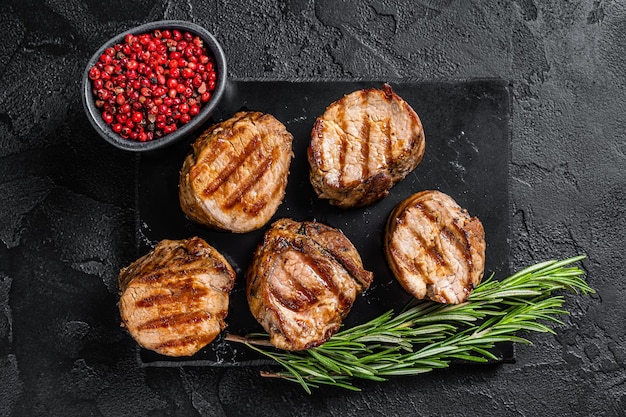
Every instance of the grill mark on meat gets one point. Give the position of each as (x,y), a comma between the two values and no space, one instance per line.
(220,267)
(404,260)
(343,149)
(157,299)
(323,271)
(255,208)
(425,211)
(337,245)
(183,291)
(388,142)
(217,148)
(450,232)
(432,250)
(435,255)
(454,234)
(324,274)
(170,274)
(187,340)
(365,146)
(428,249)
(232,166)
(175,320)
(458,237)
(249,182)
(298,299)
(355,272)
(187,295)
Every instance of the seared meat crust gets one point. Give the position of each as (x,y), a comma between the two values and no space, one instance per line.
(175,298)
(235,179)
(362,145)
(434,248)
(302,282)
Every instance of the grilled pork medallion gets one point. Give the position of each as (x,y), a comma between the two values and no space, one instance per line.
(174,299)
(434,248)
(362,145)
(236,176)
(302,282)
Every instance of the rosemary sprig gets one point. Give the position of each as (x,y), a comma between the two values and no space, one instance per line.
(428,335)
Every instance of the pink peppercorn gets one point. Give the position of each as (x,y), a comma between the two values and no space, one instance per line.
(151,84)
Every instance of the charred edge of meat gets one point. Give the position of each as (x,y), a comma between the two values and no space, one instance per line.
(314,153)
(279,245)
(188,340)
(338,252)
(339,248)
(308,247)
(387,90)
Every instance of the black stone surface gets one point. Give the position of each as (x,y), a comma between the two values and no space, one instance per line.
(67,200)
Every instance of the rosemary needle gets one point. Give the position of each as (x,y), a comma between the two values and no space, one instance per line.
(428,335)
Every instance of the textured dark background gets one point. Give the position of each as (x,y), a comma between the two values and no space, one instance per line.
(67,198)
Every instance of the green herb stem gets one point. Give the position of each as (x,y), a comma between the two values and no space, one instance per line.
(428,335)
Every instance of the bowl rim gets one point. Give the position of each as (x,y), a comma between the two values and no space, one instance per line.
(105,131)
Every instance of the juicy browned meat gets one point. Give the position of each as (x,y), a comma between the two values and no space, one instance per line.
(362,145)
(302,282)
(235,179)
(174,299)
(434,248)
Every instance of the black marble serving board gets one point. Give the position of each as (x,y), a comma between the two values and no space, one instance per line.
(467,130)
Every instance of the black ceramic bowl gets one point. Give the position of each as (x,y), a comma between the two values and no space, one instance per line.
(94,114)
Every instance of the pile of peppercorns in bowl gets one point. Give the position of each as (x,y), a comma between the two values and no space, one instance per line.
(154,84)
